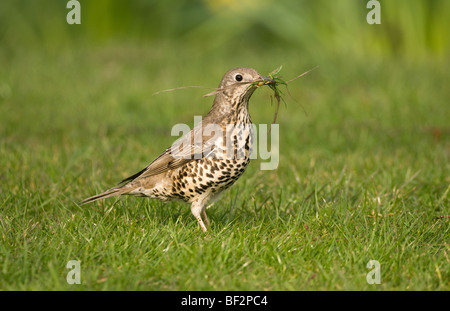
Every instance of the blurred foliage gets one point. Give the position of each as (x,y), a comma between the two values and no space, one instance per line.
(411,29)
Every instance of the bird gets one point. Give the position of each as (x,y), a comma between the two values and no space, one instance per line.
(209,159)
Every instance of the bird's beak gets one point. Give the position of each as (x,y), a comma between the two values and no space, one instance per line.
(266,80)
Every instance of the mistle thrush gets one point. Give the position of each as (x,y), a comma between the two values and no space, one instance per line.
(208,159)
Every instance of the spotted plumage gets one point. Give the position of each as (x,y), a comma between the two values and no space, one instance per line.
(208,159)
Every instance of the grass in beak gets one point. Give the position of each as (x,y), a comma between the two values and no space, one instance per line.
(274,83)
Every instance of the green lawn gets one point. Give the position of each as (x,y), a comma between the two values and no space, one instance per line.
(364,174)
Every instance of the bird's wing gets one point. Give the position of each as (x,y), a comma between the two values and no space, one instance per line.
(199,143)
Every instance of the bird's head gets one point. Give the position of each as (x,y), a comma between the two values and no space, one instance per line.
(235,90)
(242,82)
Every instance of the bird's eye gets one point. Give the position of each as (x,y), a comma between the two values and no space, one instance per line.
(238,78)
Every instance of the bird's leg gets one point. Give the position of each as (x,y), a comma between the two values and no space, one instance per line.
(197,209)
(205,217)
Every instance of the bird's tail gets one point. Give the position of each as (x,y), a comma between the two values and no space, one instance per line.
(108,193)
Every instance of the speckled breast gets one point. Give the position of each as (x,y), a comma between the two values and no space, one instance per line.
(219,170)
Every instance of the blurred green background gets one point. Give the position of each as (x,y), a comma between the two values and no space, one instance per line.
(141,47)
(412,29)
(365,134)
